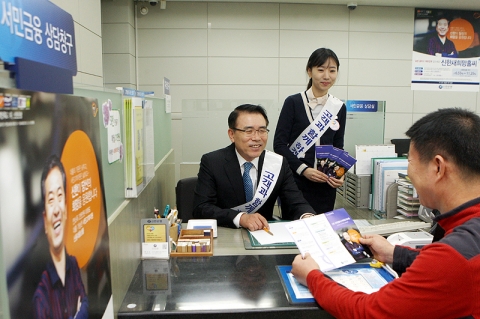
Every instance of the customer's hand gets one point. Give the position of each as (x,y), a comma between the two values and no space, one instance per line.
(301,267)
(381,249)
(253,221)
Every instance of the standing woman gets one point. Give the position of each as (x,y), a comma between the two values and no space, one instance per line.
(310,118)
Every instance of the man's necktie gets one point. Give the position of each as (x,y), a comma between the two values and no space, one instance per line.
(247,181)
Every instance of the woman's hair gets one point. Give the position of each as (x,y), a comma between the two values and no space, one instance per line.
(318,58)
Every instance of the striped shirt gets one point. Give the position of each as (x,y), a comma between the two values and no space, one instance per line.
(54,300)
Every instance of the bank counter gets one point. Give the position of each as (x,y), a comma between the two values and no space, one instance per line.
(235,283)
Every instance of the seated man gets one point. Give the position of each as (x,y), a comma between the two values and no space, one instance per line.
(441,279)
(223,192)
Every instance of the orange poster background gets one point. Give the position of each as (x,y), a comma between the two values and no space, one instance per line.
(84,196)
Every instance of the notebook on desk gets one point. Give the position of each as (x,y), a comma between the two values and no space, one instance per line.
(250,242)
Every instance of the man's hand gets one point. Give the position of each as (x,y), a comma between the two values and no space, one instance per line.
(335,182)
(381,249)
(301,267)
(315,175)
(253,222)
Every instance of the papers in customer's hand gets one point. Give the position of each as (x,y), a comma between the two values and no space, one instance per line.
(326,238)
(280,235)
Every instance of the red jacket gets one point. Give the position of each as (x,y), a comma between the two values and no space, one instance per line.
(443,281)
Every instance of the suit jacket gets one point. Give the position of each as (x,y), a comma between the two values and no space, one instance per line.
(220,188)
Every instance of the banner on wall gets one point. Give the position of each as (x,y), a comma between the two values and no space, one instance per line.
(37,30)
(446,50)
(52,206)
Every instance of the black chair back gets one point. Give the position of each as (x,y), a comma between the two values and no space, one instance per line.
(184,192)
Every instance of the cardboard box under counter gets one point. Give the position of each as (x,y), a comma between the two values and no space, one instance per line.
(194,243)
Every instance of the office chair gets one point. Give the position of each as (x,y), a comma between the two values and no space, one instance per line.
(184,193)
(402,146)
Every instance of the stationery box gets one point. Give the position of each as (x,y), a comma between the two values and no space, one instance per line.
(194,243)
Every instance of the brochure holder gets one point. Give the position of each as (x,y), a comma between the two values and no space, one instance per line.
(139,141)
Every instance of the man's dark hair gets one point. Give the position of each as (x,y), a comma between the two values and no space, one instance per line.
(442,18)
(318,58)
(52,162)
(247,108)
(453,133)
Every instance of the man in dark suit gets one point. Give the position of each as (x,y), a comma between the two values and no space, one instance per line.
(220,193)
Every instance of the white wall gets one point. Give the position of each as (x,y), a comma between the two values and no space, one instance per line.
(118,30)
(227,52)
(88,36)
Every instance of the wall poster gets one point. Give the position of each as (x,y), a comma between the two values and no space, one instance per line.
(446,50)
(55,242)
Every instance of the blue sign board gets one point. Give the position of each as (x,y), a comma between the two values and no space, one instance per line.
(361,106)
(134,93)
(39,31)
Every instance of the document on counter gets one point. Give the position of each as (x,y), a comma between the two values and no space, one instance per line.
(280,234)
(332,239)
(356,277)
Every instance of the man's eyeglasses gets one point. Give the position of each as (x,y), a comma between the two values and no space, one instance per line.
(250,131)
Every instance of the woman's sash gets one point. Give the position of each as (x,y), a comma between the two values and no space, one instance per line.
(317,127)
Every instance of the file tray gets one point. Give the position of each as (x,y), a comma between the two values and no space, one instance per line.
(249,242)
(194,243)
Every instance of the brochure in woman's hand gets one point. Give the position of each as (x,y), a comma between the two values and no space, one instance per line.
(333,161)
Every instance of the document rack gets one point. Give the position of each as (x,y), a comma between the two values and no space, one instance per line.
(357,190)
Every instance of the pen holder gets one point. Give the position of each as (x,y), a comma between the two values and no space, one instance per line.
(174,231)
(194,243)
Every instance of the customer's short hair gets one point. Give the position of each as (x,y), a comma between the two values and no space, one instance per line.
(247,108)
(453,133)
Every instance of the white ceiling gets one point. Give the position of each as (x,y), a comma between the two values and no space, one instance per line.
(429,4)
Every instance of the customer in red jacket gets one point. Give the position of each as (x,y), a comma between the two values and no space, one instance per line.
(442,279)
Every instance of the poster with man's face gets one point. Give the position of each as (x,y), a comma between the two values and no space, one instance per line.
(446,50)
(52,206)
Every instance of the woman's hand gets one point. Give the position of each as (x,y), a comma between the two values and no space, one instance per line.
(315,175)
(334,182)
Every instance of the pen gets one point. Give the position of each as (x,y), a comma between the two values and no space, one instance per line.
(266,229)
(166,211)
